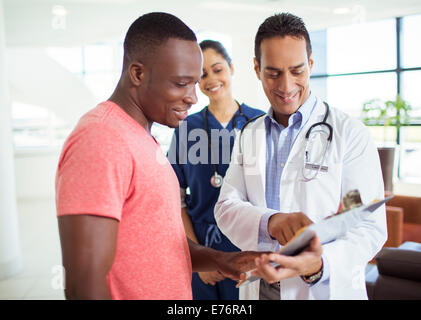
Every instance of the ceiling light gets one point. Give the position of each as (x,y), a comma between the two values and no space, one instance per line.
(59,10)
(341,10)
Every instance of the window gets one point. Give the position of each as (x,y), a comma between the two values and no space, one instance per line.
(361,47)
(410,82)
(348,93)
(373,60)
(410,48)
(96,67)
(36,127)
(410,153)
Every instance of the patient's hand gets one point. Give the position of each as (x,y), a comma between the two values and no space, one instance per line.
(307,263)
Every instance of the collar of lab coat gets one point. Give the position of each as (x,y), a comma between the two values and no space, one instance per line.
(255,161)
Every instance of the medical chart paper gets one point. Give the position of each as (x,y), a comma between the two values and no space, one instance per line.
(327,230)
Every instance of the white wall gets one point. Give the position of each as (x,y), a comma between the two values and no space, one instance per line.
(10,255)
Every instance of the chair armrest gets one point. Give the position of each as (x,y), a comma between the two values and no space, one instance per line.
(411,207)
(394,217)
(400,263)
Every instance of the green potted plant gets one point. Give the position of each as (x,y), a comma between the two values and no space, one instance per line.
(387,113)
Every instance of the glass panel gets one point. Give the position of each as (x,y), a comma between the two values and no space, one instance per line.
(37,127)
(383,136)
(69,58)
(411,93)
(318,44)
(118,57)
(410,154)
(98,58)
(348,93)
(101,84)
(163,135)
(411,45)
(319,87)
(31,138)
(362,47)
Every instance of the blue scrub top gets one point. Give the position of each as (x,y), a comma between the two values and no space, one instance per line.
(203,196)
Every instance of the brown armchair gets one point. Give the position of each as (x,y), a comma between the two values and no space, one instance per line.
(397,274)
(394,218)
(411,206)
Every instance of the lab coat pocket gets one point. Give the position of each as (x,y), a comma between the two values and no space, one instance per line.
(321,193)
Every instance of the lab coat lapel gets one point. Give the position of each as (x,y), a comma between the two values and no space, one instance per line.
(316,116)
(292,172)
(255,161)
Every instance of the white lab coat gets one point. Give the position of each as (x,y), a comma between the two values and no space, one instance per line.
(353,163)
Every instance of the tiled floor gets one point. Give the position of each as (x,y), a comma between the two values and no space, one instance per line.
(41,254)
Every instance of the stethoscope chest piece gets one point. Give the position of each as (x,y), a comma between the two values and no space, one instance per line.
(216,180)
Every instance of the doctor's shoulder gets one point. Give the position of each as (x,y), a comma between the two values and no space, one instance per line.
(251,111)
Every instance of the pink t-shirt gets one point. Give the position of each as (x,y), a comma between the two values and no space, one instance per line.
(110,166)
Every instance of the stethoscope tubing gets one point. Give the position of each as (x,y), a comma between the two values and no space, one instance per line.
(307,136)
(234,126)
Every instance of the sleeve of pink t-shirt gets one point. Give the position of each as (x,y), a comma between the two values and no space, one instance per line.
(94,173)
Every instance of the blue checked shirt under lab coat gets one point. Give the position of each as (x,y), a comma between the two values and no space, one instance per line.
(279,141)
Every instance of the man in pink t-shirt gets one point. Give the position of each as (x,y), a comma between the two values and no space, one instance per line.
(117,197)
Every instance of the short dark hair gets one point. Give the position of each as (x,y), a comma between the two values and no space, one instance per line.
(217,46)
(281,25)
(150,31)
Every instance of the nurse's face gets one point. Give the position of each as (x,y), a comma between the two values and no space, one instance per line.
(285,71)
(216,78)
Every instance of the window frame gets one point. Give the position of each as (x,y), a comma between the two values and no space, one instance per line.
(398,70)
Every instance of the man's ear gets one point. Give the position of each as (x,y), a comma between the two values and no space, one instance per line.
(311,63)
(136,73)
(232,68)
(256,68)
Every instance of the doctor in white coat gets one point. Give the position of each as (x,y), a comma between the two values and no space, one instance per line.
(269,193)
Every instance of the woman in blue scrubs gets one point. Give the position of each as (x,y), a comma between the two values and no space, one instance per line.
(200,153)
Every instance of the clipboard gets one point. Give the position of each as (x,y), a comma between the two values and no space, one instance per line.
(329,229)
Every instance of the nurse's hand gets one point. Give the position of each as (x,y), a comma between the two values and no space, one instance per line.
(307,263)
(211,277)
(283,226)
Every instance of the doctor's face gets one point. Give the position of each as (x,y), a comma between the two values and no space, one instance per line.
(284,71)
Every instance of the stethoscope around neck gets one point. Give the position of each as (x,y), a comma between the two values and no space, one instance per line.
(217,180)
(316,168)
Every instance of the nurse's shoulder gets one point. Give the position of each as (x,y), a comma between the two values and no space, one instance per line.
(251,112)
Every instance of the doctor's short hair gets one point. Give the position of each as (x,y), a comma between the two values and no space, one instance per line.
(150,31)
(218,47)
(281,25)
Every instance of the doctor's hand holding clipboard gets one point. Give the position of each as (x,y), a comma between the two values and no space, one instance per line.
(284,227)
(301,254)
